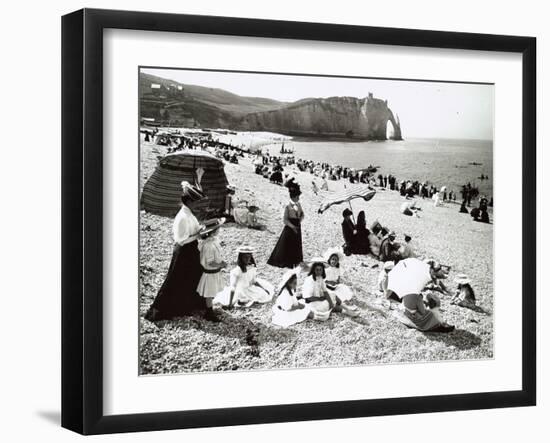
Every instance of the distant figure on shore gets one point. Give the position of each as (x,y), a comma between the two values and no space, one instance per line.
(463,208)
(288,250)
(314,187)
(348,231)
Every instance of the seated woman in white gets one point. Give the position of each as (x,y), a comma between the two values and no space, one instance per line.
(334,271)
(287,310)
(245,288)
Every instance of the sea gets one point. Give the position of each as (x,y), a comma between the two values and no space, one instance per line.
(442,162)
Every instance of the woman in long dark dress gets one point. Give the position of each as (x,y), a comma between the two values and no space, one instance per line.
(362,243)
(178,294)
(288,250)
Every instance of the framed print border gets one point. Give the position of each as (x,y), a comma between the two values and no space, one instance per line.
(82,220)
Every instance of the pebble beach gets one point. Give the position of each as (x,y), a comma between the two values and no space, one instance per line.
(245,339)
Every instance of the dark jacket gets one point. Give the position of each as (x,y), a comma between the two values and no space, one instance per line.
(347,231)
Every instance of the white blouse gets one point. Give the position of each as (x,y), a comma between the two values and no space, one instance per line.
(313,288)
(185,227)
(333,273)
(287,301)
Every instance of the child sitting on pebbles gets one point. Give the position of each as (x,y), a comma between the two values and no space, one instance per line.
(382,284)
(334,258)
(287,310)
(464,295)
(319,299)
(245,288)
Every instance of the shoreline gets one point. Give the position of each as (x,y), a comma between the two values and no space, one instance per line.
(441,233)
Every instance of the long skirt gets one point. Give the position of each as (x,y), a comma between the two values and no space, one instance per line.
(178,294)
(246,297)
(422,322)
(288,250)
(285,319)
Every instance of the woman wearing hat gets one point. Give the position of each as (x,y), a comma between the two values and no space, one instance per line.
(287,310)
(245,288)
(178,294)
(288,250)
(212,264)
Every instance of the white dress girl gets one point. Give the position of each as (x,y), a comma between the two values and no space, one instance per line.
(288,311)
(211,281)
(248,289)
(315,288)
(334,276)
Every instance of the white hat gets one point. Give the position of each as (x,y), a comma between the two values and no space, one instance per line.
(245,249)
(462,279)
(319,260)
(389,265)
(333,251)
(212,225)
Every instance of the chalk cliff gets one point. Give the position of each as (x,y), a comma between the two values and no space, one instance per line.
(171,103)
(362,118)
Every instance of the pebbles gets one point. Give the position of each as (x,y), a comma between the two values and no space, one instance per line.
(246,340)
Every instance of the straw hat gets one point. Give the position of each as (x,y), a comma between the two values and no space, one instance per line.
(389,265)
(212,225)
(245,249)
(333,251)
(462,279)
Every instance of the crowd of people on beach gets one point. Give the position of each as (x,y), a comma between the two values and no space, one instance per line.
(194,282)
(272,168)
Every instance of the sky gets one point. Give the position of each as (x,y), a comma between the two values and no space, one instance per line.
(426,109)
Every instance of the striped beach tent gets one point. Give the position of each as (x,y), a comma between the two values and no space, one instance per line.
(162,192)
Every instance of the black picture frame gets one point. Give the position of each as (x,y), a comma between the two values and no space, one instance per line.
(82,219)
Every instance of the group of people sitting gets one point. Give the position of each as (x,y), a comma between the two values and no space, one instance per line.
(378,241)
(479,214)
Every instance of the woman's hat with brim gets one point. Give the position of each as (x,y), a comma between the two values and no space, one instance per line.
(287,276)
(347,212)
(462,279)
(212,225)
(193,192)
(245,249)
(334,251)
(389,265)
(253,208)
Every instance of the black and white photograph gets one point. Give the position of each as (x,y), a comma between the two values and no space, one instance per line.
(303,221)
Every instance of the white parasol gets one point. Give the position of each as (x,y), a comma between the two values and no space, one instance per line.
(409,276)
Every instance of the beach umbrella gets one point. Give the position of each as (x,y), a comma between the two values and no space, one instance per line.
(409,276)
(365,192)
